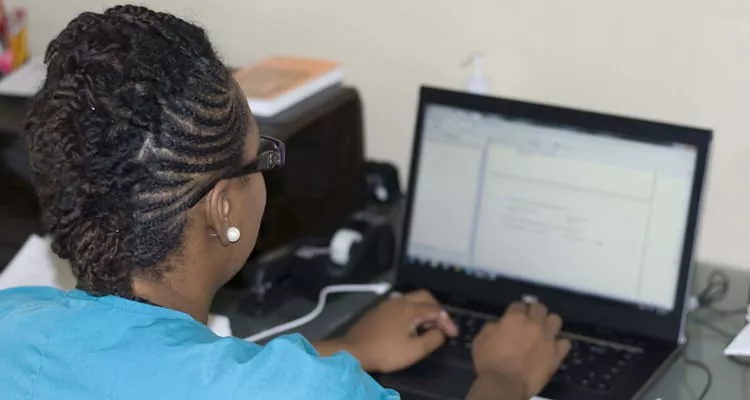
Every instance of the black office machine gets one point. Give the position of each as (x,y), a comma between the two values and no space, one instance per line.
(360,251)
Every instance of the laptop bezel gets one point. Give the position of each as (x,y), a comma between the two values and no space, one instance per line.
(496,294)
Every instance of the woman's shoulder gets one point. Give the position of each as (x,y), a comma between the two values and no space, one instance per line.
(18,296)
(31,292)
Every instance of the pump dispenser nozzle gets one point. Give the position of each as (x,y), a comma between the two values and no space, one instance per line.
(477,82)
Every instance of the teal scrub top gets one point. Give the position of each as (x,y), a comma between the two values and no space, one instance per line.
(70,345)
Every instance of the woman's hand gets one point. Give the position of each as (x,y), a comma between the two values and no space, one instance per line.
(399,332)
(518,354)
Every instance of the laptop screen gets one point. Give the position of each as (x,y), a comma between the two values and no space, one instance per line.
(556,206)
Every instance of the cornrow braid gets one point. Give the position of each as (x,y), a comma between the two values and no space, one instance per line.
(136,116)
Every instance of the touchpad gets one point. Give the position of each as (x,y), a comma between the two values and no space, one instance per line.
(431,379)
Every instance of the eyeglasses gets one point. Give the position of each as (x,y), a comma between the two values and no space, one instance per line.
(271,156)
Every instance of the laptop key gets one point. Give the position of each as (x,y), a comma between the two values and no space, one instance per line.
(603,387)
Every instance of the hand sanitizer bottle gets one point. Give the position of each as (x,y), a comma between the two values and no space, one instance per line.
(477,82)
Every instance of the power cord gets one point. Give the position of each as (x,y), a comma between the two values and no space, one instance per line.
(377,288)
(709,376)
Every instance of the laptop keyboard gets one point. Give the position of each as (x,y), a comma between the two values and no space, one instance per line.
(591,364)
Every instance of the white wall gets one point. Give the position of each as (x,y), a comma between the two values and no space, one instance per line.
(685,61)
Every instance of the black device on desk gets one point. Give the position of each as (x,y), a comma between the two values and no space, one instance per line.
(593,215)
(362,249)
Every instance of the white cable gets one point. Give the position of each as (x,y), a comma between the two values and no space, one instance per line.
(377,288)
(308,252)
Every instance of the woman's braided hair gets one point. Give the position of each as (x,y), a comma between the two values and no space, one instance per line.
(136,116)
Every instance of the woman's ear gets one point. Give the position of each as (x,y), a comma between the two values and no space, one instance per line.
(218,208)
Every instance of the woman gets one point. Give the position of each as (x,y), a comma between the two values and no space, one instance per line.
(146,160)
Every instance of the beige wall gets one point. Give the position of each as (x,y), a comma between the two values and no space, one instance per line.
(684,61)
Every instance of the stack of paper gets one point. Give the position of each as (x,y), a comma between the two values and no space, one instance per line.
(740,346)
(277,83)
(36,265)
(26,81)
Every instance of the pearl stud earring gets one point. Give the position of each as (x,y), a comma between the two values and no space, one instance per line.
(233,234)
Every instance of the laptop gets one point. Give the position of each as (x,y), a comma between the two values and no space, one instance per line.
(594,215)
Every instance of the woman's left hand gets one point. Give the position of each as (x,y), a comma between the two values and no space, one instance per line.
(399,332)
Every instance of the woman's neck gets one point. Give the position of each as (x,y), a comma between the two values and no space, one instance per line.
(193,301)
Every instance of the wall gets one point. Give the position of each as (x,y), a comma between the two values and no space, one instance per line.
(685,61)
